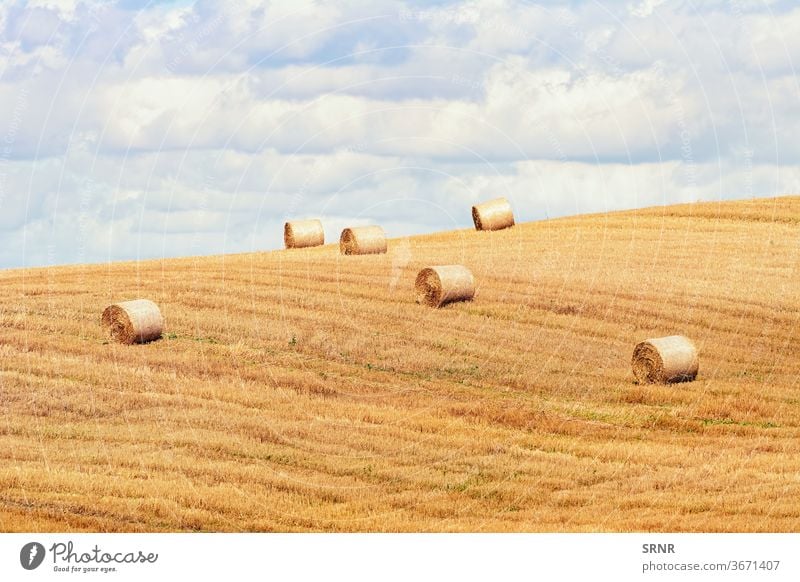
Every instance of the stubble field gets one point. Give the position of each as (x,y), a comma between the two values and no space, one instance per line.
(306,391)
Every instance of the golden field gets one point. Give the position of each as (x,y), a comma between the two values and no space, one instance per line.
(306,391)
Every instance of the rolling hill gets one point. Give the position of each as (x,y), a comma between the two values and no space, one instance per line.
(306,391)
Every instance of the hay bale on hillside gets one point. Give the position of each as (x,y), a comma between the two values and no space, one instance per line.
(437,286)
(363,240)
(665,359)
(299,234)
(493,215)
(130,322)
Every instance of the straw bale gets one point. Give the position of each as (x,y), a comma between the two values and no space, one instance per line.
(299,234)
(363,240)
(664,360)
(493,215)
(130,322)
(439,285)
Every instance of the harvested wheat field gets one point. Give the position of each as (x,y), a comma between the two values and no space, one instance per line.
(304,390)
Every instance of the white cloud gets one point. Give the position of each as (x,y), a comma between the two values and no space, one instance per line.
(196,128)
(644,8)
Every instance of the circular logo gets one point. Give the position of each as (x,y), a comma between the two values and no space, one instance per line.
(31,555)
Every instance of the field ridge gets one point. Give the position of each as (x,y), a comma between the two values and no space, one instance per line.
(306,391)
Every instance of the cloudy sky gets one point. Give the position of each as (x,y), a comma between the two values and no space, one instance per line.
(145,129)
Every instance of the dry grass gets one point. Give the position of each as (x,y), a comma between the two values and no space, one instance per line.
(304,390)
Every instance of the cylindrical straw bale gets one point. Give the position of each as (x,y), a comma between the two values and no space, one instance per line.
(133,322)
(493,215)
(437,286)
(299,234)
(664,360)
(363,240)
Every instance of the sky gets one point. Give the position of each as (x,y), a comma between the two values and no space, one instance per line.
(135,130)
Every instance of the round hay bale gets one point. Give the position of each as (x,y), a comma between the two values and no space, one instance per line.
(664,360)
(493,215)
(132,322)
(437,286)
(363,240)
(300,234)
